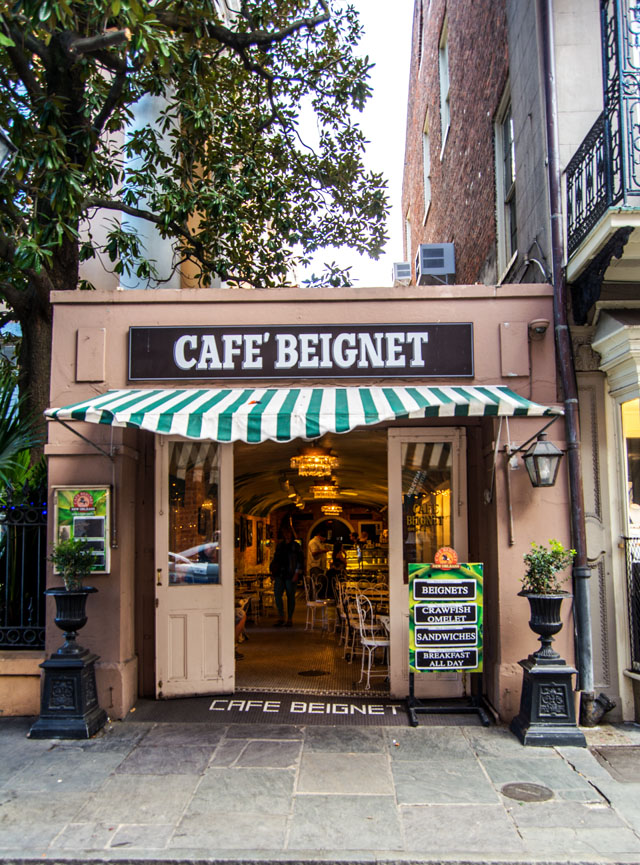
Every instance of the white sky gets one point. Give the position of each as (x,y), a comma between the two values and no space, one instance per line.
(387,41)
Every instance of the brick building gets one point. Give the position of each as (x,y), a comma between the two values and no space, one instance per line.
(449,181)
(537,181)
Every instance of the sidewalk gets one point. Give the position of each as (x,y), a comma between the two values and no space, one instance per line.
(272,793)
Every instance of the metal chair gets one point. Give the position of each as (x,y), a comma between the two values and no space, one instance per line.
(314,605)
(341,613)
(371,639)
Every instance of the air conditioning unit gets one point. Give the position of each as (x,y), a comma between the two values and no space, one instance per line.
(402,273)
(435,264)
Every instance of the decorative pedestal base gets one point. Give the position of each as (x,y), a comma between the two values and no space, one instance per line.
(69,704)
(547,714)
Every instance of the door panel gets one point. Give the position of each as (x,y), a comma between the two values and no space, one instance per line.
(427,510)
(194,594)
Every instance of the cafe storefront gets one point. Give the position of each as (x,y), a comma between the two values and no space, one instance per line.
(191,408)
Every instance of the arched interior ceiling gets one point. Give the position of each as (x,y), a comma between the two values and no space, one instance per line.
(264,479)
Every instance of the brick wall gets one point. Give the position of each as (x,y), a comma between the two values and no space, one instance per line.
(462,206)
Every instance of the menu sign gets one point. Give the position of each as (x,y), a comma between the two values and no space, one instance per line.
(316,351)
(83,513)
(445,623)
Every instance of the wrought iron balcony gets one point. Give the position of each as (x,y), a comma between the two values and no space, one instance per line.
(605,170)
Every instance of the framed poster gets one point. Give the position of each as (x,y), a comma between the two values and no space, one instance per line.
(84,513)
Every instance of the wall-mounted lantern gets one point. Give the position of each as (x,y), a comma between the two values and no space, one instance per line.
(542,462)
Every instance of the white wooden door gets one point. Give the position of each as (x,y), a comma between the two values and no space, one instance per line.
(194,568)
(427,476)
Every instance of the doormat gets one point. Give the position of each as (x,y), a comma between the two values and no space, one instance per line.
(300,709)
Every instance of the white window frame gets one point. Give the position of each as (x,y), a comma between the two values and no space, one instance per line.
(407,234)
(506,200)
(445,85)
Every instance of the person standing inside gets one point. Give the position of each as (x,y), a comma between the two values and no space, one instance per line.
(317,551)
(286,569)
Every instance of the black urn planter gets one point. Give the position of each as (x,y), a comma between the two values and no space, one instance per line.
(545,621)
(70,615)
(547,711)
(69,702)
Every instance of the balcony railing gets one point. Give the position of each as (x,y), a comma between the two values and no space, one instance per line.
(605,170)
(632,547)
(588,187)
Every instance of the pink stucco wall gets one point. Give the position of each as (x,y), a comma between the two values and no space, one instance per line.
(115,628)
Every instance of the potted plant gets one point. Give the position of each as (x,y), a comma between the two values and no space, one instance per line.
(69,706)
(542,585)
(72,559)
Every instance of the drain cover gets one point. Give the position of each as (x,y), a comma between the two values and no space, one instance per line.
(312,673)
(525,792)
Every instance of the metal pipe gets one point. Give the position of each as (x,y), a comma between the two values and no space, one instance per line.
(581,570)
(507,468)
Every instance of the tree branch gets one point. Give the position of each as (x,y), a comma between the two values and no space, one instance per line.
(92,44)
(174,227)
(113,96)
(21,63)
(258,38)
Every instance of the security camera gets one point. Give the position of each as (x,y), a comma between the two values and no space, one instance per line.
(538,328)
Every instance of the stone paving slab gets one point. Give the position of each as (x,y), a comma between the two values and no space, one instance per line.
(345,823)
(460,830)
(421,782)
(269,791)
(348,774)
(178,793)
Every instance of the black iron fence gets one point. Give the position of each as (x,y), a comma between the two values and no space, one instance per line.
(23,545)
(632,546)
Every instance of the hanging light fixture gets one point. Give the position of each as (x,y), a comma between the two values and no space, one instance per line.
(314,461)
(331,509)
(542,461)
(325,491)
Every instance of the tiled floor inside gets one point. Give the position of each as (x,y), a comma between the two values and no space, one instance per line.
(295,660)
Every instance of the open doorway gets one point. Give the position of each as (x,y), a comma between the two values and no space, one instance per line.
(345,511)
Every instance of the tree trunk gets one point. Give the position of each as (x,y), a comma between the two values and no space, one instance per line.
(35,367)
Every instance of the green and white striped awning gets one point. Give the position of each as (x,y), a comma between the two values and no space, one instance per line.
(254,415)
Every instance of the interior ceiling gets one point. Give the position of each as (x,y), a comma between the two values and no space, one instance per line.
(261,471)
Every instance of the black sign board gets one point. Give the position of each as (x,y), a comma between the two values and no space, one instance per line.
(317,351)
(445,614)
(454,636)
(432,659)
(444,590)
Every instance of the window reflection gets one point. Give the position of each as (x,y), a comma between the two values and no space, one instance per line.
(631,433)
(426,497)
(194,536)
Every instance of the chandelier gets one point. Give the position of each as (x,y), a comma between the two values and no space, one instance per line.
(332,509)
(325,491)
(314,461)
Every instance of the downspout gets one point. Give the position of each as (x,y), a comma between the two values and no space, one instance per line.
(590,710)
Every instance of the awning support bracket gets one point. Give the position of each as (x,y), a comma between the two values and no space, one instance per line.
(104,453)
